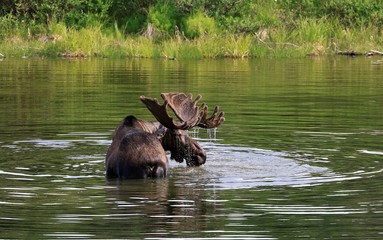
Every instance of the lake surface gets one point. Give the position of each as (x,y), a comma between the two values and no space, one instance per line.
(299,156)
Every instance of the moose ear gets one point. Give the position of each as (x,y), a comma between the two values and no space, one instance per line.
(160,132)
(129,120)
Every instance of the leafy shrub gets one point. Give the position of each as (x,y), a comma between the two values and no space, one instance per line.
(131,15)
(9,26)
(355,12)
(75,13)
(163,16)
(134,23)
(198,24)
(84,13)
(247,16)
(348,12)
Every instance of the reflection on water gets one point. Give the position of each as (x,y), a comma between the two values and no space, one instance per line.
(299,155)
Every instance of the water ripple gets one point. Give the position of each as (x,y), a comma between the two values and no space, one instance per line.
(235,167)
(305,209)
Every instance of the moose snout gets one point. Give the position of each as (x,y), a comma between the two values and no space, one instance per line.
(197,159)
(198,156)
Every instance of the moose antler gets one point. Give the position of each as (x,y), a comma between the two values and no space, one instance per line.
(186,110)
(213,121)
(183,106)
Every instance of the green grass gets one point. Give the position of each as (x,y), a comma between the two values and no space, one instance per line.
(190,29)
(308,36)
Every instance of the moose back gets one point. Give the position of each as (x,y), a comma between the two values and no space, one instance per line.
(138,148)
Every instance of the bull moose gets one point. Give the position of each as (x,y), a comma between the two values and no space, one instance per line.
(138,147)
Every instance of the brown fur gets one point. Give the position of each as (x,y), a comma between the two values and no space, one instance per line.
(136,151)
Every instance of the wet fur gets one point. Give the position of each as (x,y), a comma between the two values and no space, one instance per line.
(136,151)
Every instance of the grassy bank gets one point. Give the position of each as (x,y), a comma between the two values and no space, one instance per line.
(173,29)
(311,37)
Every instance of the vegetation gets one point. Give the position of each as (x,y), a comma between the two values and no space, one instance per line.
(189,28)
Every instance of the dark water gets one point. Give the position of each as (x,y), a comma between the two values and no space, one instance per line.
(299,156)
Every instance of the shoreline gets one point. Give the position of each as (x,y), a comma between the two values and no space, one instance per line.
(185,30)
(207,47)
(311,38)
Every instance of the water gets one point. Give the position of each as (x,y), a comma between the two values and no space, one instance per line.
(299,156)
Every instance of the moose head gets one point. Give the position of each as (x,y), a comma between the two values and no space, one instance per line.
(138,147)
(176,138)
